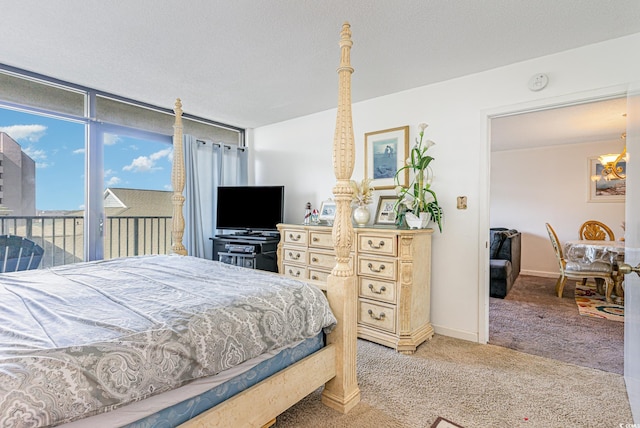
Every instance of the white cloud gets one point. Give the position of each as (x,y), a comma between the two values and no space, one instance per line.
(148,163)
(111,139)
(78,151)
(31,133)
(35,154)
(113,181)
(42,165)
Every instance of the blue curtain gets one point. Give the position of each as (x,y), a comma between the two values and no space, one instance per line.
(207,166)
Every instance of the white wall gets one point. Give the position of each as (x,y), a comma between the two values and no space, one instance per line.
(297,153)
(548,185)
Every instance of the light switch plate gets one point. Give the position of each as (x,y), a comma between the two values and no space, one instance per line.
(462,202)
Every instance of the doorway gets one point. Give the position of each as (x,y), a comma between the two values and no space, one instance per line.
(540,161)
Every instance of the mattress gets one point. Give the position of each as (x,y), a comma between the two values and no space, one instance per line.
(177,406)
(84,339)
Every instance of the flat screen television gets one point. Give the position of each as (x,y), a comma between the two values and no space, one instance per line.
(249,208)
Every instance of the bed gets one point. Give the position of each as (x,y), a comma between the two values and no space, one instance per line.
(173,340)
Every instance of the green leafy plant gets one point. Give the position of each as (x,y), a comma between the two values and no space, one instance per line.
(418,196)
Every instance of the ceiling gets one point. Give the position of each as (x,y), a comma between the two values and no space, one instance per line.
(603,120)
(251,63)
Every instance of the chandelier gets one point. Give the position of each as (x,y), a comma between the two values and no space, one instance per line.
(610,168)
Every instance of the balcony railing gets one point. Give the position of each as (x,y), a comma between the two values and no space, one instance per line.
(62,237)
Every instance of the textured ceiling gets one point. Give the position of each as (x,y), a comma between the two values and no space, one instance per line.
(252,63)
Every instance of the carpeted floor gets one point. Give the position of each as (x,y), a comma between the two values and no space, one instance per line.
(472,385)
(534,320)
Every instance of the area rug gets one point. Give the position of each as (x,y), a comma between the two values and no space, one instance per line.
(444,423)
(592,304)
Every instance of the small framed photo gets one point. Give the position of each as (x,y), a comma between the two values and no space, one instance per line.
(385,213)
(327,211)
(605,190)
(385,153)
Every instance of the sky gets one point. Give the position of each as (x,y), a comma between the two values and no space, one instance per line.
(58,149)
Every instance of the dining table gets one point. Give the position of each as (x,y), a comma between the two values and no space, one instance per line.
(586,252)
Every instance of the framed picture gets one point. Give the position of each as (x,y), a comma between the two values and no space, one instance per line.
(385,213)
(327,211)
(601,190)
(385,153)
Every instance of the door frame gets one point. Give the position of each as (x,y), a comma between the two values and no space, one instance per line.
(485,179)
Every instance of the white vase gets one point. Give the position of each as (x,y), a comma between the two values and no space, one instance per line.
(415,222)
(361,215)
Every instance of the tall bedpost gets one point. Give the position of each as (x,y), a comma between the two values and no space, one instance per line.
(177,182)
(342,392)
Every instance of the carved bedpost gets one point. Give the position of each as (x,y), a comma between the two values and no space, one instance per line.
(342,392)
(177,182)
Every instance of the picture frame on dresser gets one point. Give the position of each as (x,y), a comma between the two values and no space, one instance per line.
(327,211)
(385,213)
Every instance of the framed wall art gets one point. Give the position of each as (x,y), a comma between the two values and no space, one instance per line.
(385,213)
(385,153)
(605,190)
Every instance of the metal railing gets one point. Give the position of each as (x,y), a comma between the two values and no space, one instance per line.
(62,237)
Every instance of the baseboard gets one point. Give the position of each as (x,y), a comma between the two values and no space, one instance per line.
(457,334)
(543,274)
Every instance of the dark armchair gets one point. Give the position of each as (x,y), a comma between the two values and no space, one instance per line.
(504,260)
(18,253)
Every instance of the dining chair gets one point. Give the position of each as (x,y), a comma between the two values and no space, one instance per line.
(18,253)
(573,270)
(594,230)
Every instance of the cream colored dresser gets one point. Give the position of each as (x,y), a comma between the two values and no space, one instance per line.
(393,269)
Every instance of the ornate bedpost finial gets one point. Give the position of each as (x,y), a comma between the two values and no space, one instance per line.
(177,182)
(343,159)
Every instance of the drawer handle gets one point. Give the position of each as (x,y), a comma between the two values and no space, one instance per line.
(380,245)
(315,239)
(295,256)
(378,317)
(370,266)
(313,259)
(382,289)
(314,277)
(295,238)
(294,274)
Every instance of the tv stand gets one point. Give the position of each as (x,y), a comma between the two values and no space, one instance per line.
(252,234)
(250,250)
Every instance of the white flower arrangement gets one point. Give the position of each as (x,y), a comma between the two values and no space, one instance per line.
(418,196)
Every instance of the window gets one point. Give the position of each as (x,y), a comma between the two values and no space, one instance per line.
(72,177)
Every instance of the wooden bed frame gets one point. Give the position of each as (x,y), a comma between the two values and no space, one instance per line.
(334,366)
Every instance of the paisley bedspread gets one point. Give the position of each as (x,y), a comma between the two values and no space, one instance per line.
(82,339)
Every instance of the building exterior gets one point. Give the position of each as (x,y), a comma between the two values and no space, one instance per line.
(17,179)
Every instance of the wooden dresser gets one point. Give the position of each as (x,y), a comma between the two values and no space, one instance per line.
(393,270)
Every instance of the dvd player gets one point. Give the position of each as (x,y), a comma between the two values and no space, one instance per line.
(240,248)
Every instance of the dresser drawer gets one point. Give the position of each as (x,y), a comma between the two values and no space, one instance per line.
(294,254)
(294,236)
(378,290)
(377,315)
(380,268)
(377,244)
(320,239)
(318,275)
(294,271)
(326,260)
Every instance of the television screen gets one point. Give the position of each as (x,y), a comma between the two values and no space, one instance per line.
(249,207)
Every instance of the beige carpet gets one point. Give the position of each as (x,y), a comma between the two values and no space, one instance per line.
(472,385)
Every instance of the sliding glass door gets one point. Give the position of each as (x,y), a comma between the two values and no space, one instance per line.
(42,181)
